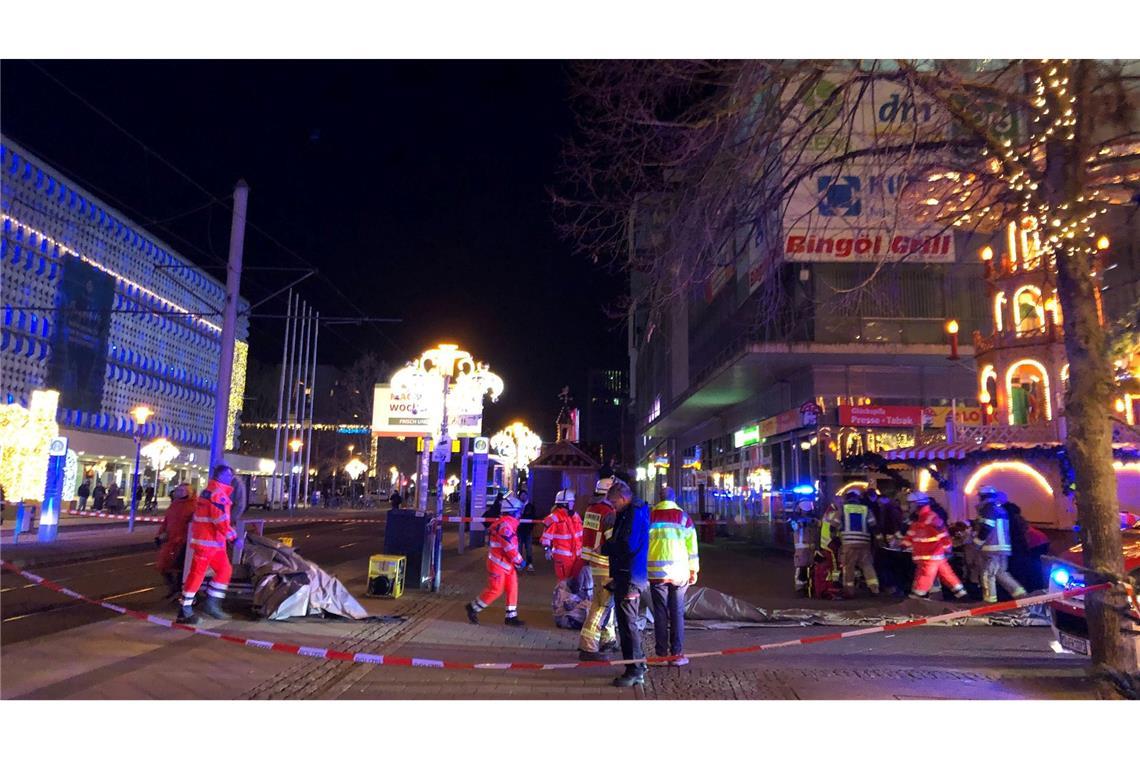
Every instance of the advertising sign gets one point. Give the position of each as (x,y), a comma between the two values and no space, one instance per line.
(781,423)
(412,413)
(936,416)
(881,416)
(77,364)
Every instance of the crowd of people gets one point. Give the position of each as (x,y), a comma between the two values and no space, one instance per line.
(870,536)
(628,549)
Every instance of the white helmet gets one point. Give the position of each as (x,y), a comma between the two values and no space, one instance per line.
(180,491)
(989,493)
(565,496)
(917,497)
(510,505)
(602,487)
(806,505)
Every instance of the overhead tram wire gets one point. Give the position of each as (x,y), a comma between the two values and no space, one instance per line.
(213,198)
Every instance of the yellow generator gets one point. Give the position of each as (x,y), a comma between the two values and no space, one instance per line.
(386,575)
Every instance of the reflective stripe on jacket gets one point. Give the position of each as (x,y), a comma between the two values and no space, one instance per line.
(993,535)
(673,555)
(927,537)
(855,523)
(563,533)
(597,528)
(503,545)
(210,525)
(805,533)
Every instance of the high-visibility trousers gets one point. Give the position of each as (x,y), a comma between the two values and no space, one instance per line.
(858,555)
(566,568)
(497,583)
(201,559)
(995,571)
(925,571)
(599,629)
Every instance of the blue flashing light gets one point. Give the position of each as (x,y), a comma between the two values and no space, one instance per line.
(804,490)
(1061,577)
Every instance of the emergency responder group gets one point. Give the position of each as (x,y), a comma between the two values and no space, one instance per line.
(627,548)
(839,543)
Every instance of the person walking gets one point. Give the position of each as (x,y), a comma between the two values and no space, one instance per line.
(855,523)
(805,537)
(562,537)
(503,563)
(151,502)
(206,549)
(598,632)
(83,492)
(673,566)
(628,552)
(526,530)
(993,537)
(930,546)
(98,496)
(171,538)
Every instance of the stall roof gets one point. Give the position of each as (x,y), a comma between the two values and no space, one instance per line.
(565,456)
(946,451)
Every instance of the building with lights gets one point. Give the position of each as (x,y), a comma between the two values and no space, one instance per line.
(605,414)
(1019,445)
(97,309)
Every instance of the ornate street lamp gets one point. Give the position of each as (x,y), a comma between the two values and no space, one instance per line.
(140,414)
(160,452)
(519,445)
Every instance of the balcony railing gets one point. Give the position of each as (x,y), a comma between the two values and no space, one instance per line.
(1050,431)
(1050,334)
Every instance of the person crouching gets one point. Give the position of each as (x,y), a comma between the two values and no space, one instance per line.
(171,538)
(503,564)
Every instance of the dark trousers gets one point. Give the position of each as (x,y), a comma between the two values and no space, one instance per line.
(627,604)
(668,618)
(526,545)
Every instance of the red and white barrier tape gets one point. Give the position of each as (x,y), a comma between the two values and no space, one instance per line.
(419,662)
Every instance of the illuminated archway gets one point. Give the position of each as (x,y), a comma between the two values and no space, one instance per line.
(853,484)
(1019,467)
(999,305)
(1028,310)
(1031,396)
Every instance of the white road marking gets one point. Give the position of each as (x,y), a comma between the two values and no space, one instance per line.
(129,593)
(72,606)
(345,546)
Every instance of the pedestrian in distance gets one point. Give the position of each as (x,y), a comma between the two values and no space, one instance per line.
(628,552)
(395,500)
(113,500)
(930,545)
(562,536)
(210,530)
(150,501)
(98,496)
(856,524)
(84,493)
(993,538)
(503,563)
(599,634)
(673,565)
(526,530)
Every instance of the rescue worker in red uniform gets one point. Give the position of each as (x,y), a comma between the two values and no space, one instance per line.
(562,537)
(206,550)
(599,630)
(930,546)
(503,563)
(171,538)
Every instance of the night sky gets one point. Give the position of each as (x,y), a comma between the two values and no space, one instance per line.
(419,190)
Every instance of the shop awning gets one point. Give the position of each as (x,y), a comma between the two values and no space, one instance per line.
(935,451)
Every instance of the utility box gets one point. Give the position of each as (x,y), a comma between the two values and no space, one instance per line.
(408,534)
(386,576)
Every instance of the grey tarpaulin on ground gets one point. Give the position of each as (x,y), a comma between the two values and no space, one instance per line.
(286,585)
(709,608)
(571,600)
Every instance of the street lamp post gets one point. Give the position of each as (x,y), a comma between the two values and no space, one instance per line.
(294,446)
(520,445)
(140,415)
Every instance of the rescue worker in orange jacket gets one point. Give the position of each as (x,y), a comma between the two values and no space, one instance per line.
(206,550)
(599,631)
(562,537)
(930,546)
(503,563)
(171,538)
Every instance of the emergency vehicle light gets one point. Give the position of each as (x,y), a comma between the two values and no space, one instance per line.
(804,490)
(1060,576)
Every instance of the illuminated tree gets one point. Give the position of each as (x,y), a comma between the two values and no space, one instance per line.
(677,166)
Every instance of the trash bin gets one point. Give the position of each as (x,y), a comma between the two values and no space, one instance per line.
(25,517)
(408,534)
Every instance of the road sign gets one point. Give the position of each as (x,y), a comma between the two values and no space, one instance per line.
(481,446)
(442,451)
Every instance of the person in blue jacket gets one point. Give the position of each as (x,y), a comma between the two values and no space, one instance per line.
(628,551)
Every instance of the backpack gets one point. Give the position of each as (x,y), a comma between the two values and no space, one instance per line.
(821,583)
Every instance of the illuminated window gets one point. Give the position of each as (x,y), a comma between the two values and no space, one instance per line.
(1027,393)
(1028,311)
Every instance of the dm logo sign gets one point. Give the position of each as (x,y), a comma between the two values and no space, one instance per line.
(839,196)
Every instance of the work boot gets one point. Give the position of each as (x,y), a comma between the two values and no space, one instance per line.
(916,595)
(514,621)
(472,614)
(585,656)
(186,615)
(213,608)
(632,676)
(680,662)
(960,593)
(611,646)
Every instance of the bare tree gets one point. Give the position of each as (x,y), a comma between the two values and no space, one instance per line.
(675,162)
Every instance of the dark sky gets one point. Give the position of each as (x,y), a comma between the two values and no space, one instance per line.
(417,189)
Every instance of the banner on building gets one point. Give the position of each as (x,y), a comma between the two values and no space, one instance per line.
(936,416)
(881,416)
(78,362)
(416,413)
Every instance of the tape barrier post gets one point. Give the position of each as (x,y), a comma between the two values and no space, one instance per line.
(414,662)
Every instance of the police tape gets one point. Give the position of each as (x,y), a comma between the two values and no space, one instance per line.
(342,520)
(420,662)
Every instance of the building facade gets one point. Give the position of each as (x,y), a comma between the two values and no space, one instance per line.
(96,308)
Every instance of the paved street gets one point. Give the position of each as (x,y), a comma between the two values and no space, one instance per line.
(51,647)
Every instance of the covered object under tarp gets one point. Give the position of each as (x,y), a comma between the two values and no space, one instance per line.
(286,585)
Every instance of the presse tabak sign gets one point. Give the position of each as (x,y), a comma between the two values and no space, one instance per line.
(881,416)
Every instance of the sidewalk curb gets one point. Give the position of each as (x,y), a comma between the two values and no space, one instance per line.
(83,555)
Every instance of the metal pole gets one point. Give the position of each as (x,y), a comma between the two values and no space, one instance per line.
(312,400)
(464,501)
(437,553)
(424,472)
(135,480)
(229,324)
(294,398)
(275,491)
(302,395)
